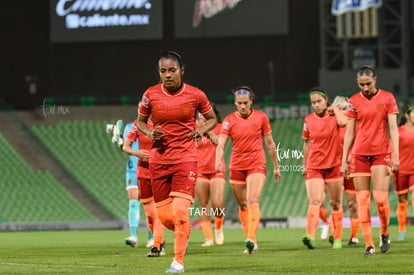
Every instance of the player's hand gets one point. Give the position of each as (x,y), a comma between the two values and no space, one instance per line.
(276,173)
(196,134)
(219,167)
(304,172)
(156,133)
(345,169)
(143,155)
(395,163)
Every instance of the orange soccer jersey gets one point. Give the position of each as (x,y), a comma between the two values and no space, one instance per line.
(325,147)
(247,137)
(371,117)
(175,114)
(406,150)
(207,153)
(144,143)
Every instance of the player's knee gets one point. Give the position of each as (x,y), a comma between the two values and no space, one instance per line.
(315,202)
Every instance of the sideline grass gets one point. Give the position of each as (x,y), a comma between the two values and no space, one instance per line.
(280,251)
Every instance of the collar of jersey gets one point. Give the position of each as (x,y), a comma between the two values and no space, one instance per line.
(362,94)
(321,117)
(239,116)
(174,94)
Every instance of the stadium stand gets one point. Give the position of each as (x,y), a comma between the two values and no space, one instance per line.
(29,196)
(84,149)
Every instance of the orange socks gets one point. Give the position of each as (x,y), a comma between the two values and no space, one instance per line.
(402,216)
(254,220)
(383,208)
(323,214)
(312,220)
(354,227)
(150,213)
(243,214)
(337,220)
(206,226)
(165,214)
(182,227)
(158,233)
(218,221)
(363,200)
(155,224)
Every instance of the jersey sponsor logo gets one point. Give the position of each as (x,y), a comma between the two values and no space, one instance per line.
(145,101)
(305,127)
(226,125)
(350,107)
(133,129)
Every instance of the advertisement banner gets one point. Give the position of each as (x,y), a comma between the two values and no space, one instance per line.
(342,6)
(103,20)
(224,18)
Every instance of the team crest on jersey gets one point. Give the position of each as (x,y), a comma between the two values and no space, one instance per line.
(226,125)
(350,107)
(145,101)
(192,176)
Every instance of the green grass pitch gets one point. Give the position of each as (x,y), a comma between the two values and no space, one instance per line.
(280,251)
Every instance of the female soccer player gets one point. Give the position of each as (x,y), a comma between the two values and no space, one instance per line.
(173,156)
(145,186)
(322,163)
(210,183)
(342,102)
(372,110)
(131,185)
(404,178)
(247,128)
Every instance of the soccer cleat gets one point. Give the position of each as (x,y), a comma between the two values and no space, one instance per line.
(219,237)
(249,246)
(175,267)
(337,244)
(369,251)
(385,243)
(401,236)
(331,239)
(162,249)
(150,243)
(208,243)
(325,232)
(154,252)
(353,241)
(308,241)
(131,241)
(255,249)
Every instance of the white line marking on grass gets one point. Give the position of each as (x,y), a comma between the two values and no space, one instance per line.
(73,266)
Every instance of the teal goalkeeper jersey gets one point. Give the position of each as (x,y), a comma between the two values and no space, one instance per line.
(132,160)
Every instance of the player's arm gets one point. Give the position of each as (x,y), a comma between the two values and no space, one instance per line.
(211,122)
(341,119)
(142,124)
(348,140)
(306,150)
(220,151)
(395,154)
(271,148)
(141,154)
